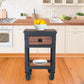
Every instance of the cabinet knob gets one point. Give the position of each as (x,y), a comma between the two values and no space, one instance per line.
(39,40)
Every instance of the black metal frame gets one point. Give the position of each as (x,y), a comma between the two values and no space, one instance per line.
(29,68)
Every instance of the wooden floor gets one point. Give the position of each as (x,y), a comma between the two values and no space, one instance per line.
(68,71)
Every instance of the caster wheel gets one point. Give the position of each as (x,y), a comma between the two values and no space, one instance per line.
(49,70)
(51,76)
(28,76)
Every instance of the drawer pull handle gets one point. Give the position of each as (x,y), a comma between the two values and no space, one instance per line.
(39,40)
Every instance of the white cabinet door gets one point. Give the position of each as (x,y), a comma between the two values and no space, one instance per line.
(60,38)
(18,38)
(20,41)
(74,42)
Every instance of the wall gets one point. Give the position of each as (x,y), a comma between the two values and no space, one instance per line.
(15,7)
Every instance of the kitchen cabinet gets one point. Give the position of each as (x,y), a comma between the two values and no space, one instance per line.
(53,2)
(75,39)
(16,43)
(69,39)
(63,2)
(20,39)
(46,1)
(60,38)
(80,2)
(58,2)
(70,2)
(74,28)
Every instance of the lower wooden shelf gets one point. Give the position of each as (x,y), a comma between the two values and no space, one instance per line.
(32,64)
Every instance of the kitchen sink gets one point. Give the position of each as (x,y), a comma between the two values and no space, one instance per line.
(55,20)
(8,20)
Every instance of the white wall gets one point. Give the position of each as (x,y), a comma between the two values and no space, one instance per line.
(15,7)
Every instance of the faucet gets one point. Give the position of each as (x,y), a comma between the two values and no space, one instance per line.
(53,14)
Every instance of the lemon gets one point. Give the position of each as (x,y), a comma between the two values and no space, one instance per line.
(42,23)
(40,20)
(45,23)
(35,23)
(35,20)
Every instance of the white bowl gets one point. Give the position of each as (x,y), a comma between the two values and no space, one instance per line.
(39,62)
(40,27)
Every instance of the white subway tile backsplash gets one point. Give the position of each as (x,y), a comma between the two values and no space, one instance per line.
(15,7)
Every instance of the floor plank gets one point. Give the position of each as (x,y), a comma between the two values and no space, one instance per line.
(68,71)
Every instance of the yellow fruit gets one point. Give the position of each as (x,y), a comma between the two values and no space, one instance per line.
(40,20)
(35,21)
(45,23)
(42,23)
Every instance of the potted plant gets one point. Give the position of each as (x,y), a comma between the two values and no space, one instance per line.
(80,15)
(22,16)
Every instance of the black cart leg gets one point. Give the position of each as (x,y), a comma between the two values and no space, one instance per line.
(26,59)
(31,71)
(51,76)
(27,71)
(49,70)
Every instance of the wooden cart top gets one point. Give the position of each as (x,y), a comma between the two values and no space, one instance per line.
(40,31)
(46,30)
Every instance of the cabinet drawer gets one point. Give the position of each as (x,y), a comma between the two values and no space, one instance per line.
(40,40)
(74,28)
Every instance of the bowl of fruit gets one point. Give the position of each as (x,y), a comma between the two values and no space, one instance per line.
(40,24)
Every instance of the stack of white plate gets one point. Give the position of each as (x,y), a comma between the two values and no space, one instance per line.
(40,62)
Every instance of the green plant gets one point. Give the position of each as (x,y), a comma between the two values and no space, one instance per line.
(80,14)
(68,18)
(21,14)
(1,2)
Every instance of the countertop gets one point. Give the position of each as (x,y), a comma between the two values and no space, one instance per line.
(29,22)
